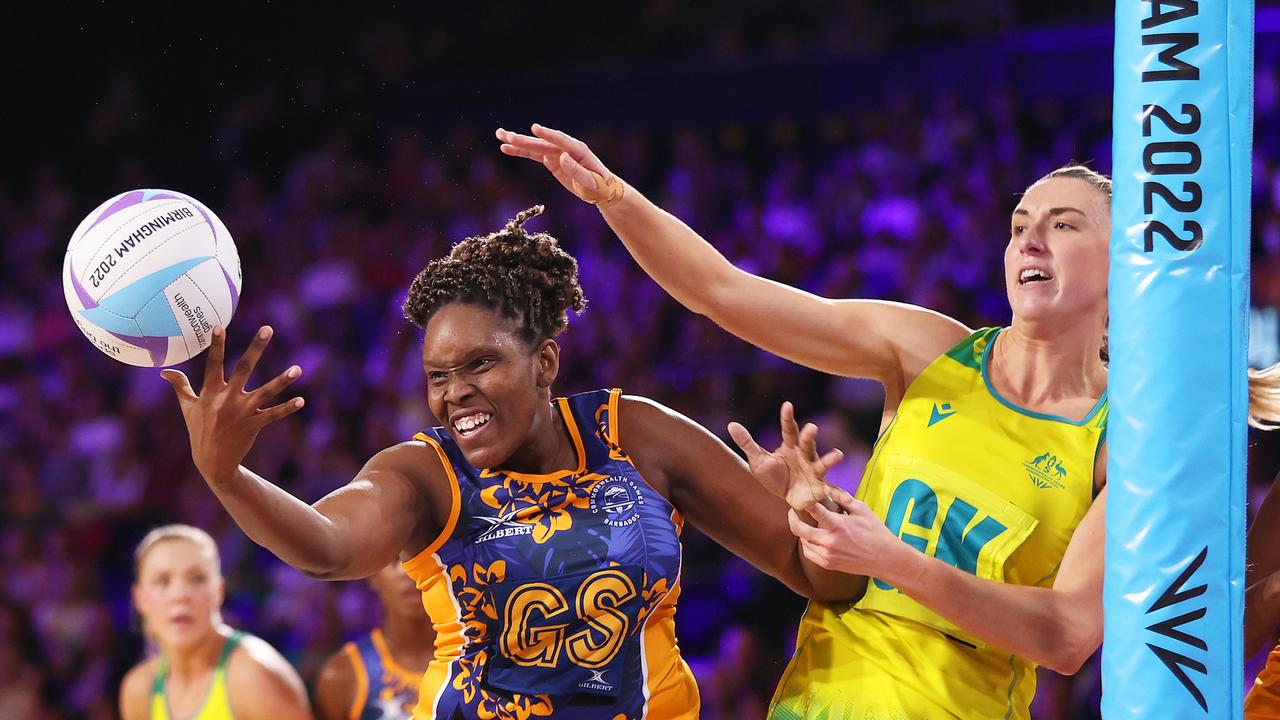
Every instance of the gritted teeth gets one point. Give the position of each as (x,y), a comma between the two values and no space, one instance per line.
(469,423)
(1030,275)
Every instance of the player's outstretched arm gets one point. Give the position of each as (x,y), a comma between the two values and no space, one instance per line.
(352,532)
(712,487)
(1058,627)
(890,342)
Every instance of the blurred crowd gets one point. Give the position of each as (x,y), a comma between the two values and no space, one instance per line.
(903,198)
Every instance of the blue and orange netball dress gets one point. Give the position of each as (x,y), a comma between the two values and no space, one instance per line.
(384,690)
(555,593)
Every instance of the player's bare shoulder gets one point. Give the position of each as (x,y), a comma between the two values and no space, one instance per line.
(909,336)
(135,689)
(259,678)
(336,686)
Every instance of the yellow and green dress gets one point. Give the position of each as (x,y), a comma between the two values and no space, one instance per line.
(968,477)
(217,704)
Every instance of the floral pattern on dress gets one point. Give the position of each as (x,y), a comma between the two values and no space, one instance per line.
(651,597)
(479,614)
(475,598)
(545,505)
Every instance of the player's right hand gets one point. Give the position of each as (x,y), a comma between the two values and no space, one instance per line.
(793,472)
(226,417)
(569,160)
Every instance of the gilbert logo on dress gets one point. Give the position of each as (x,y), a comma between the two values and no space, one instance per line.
(596,682)
(1046,472)
(500,527)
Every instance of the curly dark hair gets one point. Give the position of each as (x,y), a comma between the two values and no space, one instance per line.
(525,277)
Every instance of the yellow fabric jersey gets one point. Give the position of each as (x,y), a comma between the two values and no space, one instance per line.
(1263,701)
(217,704)
(993,489)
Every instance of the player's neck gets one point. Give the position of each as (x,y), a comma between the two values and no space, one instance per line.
(550,448)
(411,640)
(195,662)
(1032,368)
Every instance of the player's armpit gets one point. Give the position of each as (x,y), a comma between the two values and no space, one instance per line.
(712,487)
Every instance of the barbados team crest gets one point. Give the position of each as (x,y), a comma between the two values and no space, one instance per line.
(619,499)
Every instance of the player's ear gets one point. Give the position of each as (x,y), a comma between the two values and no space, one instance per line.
(548,362)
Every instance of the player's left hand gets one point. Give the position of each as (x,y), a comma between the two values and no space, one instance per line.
(854,541)
(794,471)
(569,159)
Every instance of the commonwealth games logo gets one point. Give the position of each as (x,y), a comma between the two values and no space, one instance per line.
(619,499)
(1046,472)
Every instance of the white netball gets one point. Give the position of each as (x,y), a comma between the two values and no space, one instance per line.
(148,274)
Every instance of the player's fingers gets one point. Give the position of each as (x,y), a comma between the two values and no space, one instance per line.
(181,385)
(277,385)
(563,140)
(248,361)
(800,528)
(787,424)
(847,502)
(213,369)
(809,441)
(589,180)
(575,147)
(528,143)
(826,519)
(831,459)
(816,554)
(518,151)
(742,437)
(283,410)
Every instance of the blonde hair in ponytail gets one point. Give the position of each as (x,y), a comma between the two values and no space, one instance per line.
(1264,397)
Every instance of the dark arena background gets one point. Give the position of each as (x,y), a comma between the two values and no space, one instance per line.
(855,149)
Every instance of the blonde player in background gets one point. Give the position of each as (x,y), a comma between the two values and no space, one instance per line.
(205,670)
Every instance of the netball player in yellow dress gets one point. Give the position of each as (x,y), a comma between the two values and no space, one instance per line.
(205,670)
(980,516)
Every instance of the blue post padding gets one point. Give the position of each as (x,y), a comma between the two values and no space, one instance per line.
(1174,595)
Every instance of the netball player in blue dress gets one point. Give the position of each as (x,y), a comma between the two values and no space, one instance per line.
(542,532)
(376,676)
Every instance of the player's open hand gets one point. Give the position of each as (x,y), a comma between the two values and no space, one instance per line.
(794,471)
(226,417)
(569,160)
